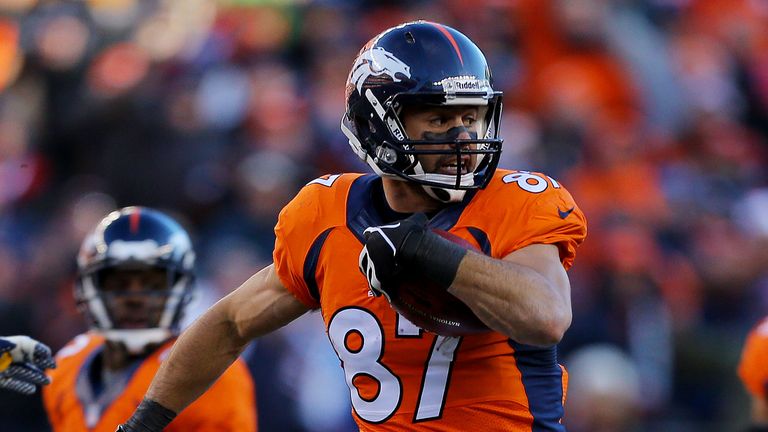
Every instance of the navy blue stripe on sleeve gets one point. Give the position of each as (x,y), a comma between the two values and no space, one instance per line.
(482,239)
(310,264)
(543,383)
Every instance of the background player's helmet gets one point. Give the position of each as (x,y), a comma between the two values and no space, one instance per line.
(135,239)
(421,63)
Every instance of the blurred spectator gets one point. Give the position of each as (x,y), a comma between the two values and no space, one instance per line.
(603,391)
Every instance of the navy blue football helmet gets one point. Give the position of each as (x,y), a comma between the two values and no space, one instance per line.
(423,63)
(135,239)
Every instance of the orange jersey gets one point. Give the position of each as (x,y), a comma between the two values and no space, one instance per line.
(229,405)
(400,376)
(753,367)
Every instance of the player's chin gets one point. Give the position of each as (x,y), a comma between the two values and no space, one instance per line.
(132,324)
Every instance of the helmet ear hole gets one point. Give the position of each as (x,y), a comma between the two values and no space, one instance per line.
(361,126)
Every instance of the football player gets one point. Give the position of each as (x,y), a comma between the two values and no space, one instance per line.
(423,113)
(753,370)
(23,362)
(135,279)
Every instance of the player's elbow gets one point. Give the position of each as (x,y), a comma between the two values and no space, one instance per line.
(553,332)
(546,336)
(554,318)
(550,328)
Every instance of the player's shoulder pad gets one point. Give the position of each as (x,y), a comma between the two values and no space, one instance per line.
(520,188)
(519,208)
(329,187)
(80,345)
(71,357)
(321,201)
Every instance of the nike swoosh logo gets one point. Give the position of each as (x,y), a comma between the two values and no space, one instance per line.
(564,214)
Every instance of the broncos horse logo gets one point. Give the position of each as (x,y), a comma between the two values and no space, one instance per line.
(376,62)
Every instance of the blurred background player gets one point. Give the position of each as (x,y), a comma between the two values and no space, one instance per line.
(753,370)
(135,280)
(23,362)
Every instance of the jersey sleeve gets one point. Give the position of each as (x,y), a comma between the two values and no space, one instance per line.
(301,225)
(60,400)
(292,243)
(753,366)
(49,404)
(551,217)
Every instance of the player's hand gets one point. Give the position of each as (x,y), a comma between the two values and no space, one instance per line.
(388,250)
(407,244)
(22,364)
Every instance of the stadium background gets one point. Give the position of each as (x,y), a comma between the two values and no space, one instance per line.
(653,113)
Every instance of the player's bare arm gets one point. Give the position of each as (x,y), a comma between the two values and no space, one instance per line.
(205,350)
(760,412)
(214,341)
(525,296)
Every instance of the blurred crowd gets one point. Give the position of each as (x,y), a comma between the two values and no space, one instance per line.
(654,114)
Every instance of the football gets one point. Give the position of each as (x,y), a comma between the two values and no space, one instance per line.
(429,306)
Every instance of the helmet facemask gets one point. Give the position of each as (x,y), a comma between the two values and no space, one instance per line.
(391,152)
(135,304)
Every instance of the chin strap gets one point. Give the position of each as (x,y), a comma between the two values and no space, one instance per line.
(446,194)
(136,341)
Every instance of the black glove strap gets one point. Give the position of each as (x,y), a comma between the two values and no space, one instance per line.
(434,256)
(149,416)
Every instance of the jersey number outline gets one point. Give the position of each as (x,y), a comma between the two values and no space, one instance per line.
(530,182)
(366,361)
(327,182)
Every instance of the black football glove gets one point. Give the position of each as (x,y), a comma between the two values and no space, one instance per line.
(407,245)
(149,416)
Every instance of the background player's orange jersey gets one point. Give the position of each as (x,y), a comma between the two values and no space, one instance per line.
(401,377)
(753,368)
(229,405)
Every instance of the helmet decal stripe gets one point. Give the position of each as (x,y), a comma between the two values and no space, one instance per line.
(134,221)
(450,38)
